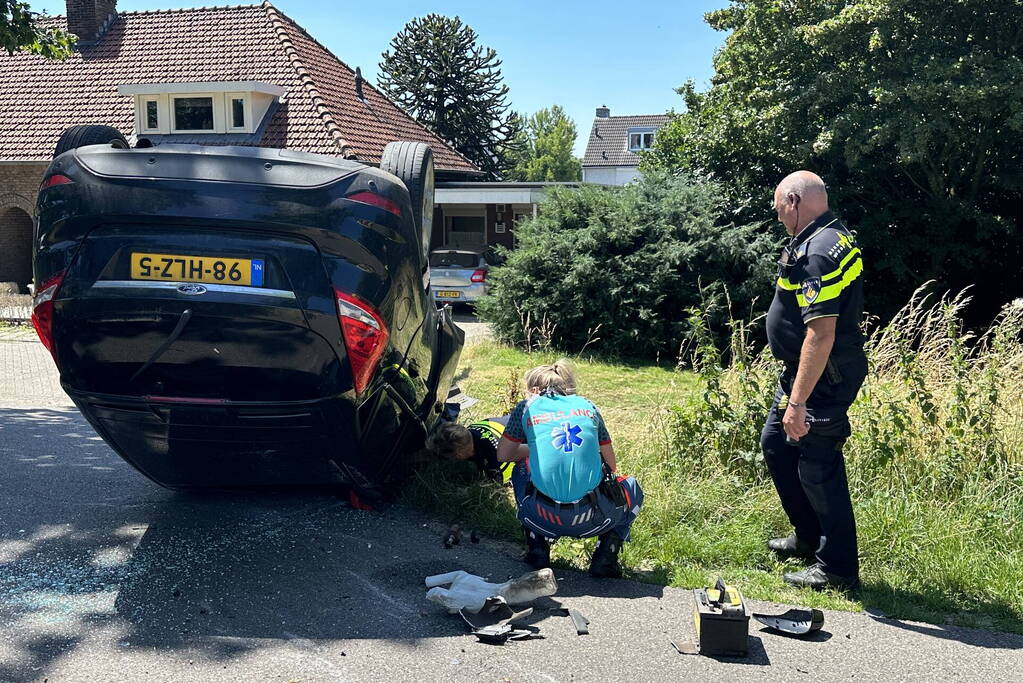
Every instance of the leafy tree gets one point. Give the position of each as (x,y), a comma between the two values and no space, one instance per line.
(437,71)
(911,110)
(19,30)
(547,139)
(632,260)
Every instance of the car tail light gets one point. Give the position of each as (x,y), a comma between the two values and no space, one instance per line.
(365,336)
(55,179)
(479,275)
(42,311)
(374,199)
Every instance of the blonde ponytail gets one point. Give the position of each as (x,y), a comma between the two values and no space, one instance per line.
(557,377)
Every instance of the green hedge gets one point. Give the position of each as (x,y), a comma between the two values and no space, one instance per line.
(616,269)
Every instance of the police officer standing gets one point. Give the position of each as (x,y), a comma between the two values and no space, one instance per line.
(813,326)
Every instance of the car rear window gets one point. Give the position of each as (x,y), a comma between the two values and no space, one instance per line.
(453,259)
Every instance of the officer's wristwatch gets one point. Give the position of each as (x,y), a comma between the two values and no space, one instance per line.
(797,405)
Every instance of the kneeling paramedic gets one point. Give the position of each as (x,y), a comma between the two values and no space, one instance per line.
(477,442)
(565,483)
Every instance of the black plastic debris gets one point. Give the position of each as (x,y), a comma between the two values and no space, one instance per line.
(795,622)
(495,612)
(499,634)
(453,536)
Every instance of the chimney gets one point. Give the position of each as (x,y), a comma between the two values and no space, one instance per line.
(89,19)
(358,85)
(603,112)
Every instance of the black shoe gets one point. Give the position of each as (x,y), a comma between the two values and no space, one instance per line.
(604,563)
(815,577)
(792,546)
(538,556)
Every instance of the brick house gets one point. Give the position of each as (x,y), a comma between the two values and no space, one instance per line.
(241,75)
(611,156)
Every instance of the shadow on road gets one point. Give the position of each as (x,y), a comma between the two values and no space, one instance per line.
(86,541)
(89,550)
(968,636)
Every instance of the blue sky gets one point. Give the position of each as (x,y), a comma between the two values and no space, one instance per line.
(577,53)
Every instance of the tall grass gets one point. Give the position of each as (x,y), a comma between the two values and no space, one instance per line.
(935,461)
(935,464)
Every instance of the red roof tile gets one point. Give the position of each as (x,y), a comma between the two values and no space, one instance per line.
(319,111)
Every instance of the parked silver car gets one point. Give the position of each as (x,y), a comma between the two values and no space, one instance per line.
(458,275)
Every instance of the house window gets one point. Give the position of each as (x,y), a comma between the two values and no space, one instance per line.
(640,140)
(466,231)
(237,112)
(193,113)
(152,115)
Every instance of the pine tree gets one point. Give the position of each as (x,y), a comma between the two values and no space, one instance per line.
(437,71)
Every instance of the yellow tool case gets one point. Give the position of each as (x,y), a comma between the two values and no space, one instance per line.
(722,621)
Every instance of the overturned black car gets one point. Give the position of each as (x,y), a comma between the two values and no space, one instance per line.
(236,317)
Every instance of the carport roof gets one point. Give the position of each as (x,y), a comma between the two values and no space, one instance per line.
(506,192)
(319,111)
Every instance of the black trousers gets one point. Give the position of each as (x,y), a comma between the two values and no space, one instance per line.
(810,474)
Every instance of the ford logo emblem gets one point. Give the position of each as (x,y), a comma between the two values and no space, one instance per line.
(191,289)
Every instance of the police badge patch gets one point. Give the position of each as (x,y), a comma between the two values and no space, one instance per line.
(811,288)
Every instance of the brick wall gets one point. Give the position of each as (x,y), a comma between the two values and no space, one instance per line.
(506,238)
(18,186)
(85,18)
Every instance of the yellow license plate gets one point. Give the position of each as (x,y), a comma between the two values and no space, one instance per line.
(192,268)
(447,295)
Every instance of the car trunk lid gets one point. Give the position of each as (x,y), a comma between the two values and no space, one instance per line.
(198,313)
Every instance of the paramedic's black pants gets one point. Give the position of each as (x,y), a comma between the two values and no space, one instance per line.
(810,474)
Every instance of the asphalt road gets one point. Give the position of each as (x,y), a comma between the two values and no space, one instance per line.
(106,577)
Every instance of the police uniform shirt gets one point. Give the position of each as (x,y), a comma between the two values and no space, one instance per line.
(485,437)
(819,276)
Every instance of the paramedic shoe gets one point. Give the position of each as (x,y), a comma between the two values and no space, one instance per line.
(604,563)
(791,546)
(538,555)
(815,577)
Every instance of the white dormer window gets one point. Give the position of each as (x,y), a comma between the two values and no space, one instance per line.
(640,139)
(196,113)
(151,114)
(210,108)
(239,111)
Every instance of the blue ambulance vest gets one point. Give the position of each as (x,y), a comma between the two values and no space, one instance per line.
(564,451)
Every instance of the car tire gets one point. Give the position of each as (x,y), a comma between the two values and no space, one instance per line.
(80,136)
(413,163)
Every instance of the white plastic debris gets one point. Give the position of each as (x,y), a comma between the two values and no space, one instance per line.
(470,592)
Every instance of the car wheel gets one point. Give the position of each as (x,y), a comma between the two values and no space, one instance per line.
(413,163)
(80,136)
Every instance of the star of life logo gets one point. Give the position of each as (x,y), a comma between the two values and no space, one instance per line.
(566,437)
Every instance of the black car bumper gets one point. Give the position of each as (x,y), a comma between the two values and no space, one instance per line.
(190,445)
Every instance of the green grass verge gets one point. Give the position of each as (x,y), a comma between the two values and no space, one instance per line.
(922,559)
